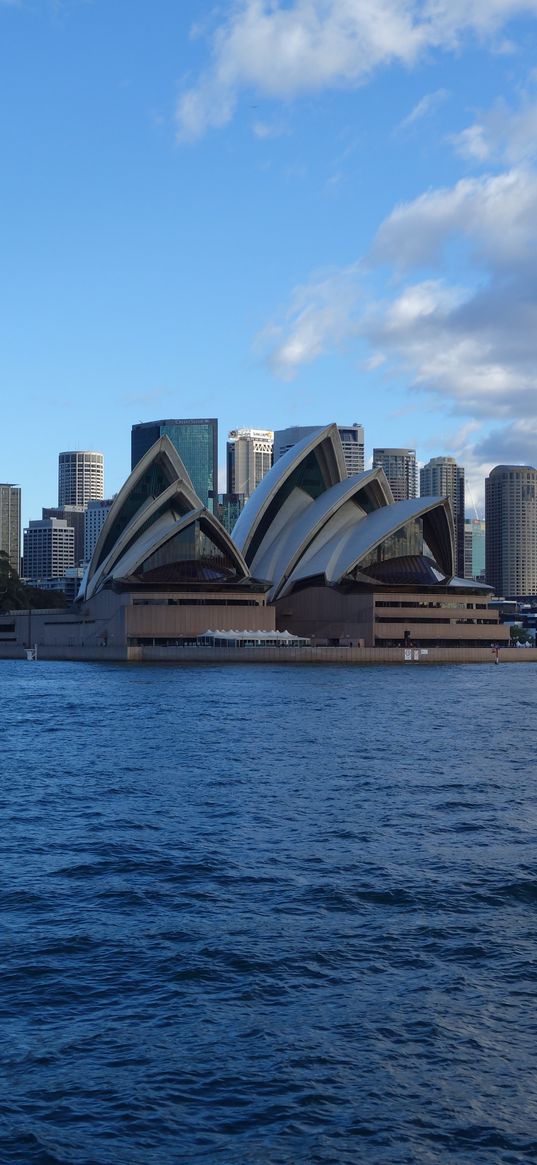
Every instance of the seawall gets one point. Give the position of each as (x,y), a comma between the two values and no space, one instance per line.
(285,655)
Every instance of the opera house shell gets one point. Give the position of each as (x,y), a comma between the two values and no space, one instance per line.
(164,570)
(315,554)
(345,563)
(158,531)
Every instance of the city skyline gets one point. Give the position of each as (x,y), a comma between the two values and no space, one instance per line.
(223,441)
(512,547)
(200,234)
(470,504)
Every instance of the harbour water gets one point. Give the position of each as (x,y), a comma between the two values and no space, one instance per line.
(268,916)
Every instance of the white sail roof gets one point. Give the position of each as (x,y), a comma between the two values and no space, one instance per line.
(348,501)
(335,552)
(312,466)
(156,502)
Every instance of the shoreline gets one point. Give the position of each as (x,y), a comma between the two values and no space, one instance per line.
(349,656)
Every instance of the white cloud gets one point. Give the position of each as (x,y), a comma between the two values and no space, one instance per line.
(424,108)
(511,444)
(502,133)
(266,129)
(472,143)
(474,354)
(376,360)
(420,303)
(514,442)
(321,316)
(471,348)
(283,50)
(496,214)
(468,345)
(450,19)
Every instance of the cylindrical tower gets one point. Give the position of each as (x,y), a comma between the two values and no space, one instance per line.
(511,530)
(80,477)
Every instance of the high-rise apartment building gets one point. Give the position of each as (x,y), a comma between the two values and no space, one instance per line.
(474,548)
(10,524)
(352,440)
(511,518)
(442,477)
(196,442)
(74,516)
(95,516)
(80,477)
(49,549)
(284,439)
(249,458)
(401,469)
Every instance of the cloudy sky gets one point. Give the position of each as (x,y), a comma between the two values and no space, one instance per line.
(271,211)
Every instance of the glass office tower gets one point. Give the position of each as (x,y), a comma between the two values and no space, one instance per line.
(474,548)
(196,442)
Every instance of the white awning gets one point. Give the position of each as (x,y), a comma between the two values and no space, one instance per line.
(258,636)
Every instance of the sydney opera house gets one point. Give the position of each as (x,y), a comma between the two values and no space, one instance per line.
(316,557)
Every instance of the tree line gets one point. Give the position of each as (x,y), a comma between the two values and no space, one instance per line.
(16,596)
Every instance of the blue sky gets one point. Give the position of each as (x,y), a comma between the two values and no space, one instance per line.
(271,212)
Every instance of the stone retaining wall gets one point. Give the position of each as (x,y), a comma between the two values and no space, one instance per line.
(283,655)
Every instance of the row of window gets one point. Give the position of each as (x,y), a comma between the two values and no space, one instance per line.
(210,602)
(439,643)
(436,604)
(436,620)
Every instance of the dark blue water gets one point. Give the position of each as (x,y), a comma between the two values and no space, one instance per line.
(264,915)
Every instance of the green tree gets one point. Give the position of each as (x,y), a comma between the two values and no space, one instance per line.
(40,600)
(521,635)
(14,596)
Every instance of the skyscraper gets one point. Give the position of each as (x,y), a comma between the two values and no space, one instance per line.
(284,439)
(196,442)
(74,516)
(49,549)
(474,548)
(249,458)
(442,477)
(95,516)
(80,477)
(352,440)
(229,508)
(511,518)
(401,470)
(10,524)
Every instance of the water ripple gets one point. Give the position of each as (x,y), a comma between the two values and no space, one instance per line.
(268,916)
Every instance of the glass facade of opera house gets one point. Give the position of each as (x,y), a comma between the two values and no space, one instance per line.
(191,556)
